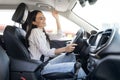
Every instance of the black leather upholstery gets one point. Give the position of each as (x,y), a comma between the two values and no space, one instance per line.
(21,64)
(4,65)
(14,38)
(21,13)
(2,41)
(108,68)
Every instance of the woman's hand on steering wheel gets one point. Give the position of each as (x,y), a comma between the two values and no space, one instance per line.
(79,37)
(70,47)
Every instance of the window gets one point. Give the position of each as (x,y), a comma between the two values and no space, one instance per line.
(103,14)
(69,28)
(5,19)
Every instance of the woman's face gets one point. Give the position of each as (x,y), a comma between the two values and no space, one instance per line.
(40,20)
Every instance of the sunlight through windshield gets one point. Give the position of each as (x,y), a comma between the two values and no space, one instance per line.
(103,14)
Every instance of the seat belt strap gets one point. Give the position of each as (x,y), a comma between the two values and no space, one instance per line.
(42,58)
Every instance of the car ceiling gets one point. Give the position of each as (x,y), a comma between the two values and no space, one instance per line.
(60,5)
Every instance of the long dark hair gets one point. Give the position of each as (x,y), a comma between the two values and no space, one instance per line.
(31,18)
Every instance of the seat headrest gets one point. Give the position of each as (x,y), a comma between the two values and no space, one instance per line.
(21,13)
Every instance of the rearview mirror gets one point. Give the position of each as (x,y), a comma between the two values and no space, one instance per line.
(82,2)
(91,2)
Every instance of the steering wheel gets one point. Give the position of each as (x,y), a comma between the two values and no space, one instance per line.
(80,51)
(78,39)
(79,35)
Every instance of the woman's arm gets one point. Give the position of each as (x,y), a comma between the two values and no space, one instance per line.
(37,39)
(68,48)
(59,31)
(55,15)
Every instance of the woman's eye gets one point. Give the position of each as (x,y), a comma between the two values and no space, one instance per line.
(42,18)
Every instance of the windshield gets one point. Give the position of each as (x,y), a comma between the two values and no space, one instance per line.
(103,14)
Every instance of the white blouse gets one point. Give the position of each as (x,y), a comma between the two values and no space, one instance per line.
(38,45)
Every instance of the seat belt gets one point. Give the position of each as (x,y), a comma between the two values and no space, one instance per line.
(42,58)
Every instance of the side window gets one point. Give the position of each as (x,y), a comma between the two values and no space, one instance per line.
(68,27)
(5,19)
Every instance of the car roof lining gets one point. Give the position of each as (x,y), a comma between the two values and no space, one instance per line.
(60,5)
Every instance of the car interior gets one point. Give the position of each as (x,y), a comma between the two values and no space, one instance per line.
(97,54)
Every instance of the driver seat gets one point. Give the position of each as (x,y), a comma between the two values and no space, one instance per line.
(14,39)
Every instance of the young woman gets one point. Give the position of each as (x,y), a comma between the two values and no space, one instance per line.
(38,39)
(38,42)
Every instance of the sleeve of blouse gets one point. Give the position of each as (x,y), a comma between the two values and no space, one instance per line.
(57,36)
(39,42)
